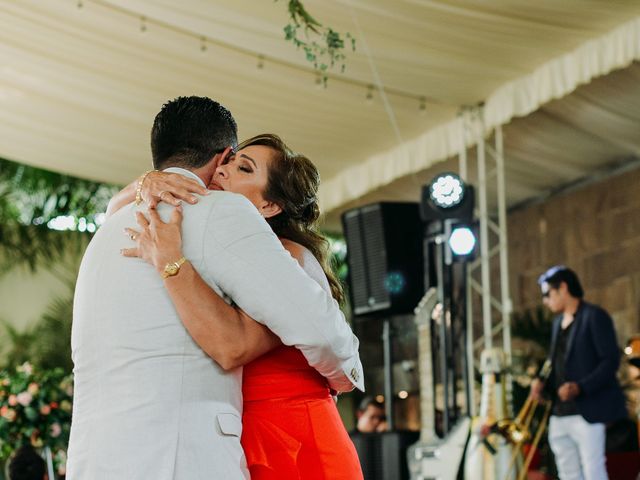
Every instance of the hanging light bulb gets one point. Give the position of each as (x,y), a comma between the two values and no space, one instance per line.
(203,44)
(260,62)
(320,81)
(80,4)
(369,96)
(143,24)
(423,106)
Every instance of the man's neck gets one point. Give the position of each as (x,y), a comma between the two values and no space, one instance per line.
(204,173)
(570,310)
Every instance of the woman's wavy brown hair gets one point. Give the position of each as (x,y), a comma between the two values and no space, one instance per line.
(292,184)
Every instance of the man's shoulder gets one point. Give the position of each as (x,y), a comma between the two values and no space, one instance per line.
(216,204)
(593,309)
(225,217)
(220,200)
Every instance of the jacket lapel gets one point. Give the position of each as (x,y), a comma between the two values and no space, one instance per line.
(555,330)
(572,334)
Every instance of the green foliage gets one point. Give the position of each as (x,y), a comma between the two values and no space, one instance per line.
(533,325)
(31,197)
(322,46)
(46,344)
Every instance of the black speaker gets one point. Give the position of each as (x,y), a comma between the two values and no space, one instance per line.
(385,258)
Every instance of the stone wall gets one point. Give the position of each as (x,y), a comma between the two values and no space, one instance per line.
(594,230)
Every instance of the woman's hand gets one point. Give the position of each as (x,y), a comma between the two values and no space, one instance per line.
(157,243)
(171,188)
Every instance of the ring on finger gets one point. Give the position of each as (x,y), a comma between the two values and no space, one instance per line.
(133,236)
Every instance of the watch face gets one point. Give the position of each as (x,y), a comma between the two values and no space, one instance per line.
(171,269)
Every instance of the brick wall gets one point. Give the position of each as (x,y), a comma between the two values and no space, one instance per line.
(595,230)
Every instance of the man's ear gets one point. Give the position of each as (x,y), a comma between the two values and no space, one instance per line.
(270,209)
(220,158)
(563,287)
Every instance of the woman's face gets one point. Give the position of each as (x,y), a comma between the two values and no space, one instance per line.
(247,173)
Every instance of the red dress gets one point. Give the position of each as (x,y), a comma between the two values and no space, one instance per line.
(291,427)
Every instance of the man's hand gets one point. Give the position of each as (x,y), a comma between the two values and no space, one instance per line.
(568,391)
(536,389)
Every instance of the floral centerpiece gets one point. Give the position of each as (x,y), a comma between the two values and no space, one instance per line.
(35,408)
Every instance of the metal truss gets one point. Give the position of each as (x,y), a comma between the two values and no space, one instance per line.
(495,299)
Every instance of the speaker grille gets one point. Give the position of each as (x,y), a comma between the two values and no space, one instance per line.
(384,253)
(357,260)
(376,253)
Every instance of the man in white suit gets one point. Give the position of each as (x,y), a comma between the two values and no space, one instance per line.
(149,403)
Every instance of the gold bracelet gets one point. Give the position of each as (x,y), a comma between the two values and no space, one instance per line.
(139,187)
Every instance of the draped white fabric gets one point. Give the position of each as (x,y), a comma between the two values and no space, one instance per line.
(554,79)
(587,133)
(79,86)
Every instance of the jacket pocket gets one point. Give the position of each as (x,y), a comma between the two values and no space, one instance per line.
(229,424)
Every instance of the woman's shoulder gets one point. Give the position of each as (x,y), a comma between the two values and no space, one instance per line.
(307,261)
(297,251)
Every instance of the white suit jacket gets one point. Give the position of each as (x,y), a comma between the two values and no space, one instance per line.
(148,402)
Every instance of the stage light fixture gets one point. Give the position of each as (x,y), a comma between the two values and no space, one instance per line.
(447,190)
(462,241)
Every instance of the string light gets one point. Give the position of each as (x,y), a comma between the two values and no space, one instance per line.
(320,78)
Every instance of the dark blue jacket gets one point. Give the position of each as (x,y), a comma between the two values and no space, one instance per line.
(592,360)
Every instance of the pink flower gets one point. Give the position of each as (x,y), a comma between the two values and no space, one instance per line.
(26,367)
(24,398)
(10,414)
(33,388)
(55,430)
(13,400)
(45,409)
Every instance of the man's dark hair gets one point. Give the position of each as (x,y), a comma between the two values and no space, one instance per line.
(366,401)
(189,131)
(26,464)
(557,275)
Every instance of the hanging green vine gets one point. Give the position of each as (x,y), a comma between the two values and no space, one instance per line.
(323,46)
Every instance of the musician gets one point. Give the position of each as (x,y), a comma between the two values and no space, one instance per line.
(584,357)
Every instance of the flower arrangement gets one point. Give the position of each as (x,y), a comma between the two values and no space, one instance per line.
(35,407)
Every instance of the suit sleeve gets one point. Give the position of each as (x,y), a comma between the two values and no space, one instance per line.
(248,262)
(603,336)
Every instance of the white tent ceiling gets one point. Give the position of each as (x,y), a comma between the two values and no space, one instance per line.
(79,87)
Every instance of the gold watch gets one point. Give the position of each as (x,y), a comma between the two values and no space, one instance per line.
(172,269)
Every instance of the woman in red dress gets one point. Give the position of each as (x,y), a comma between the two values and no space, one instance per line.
(291,426)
